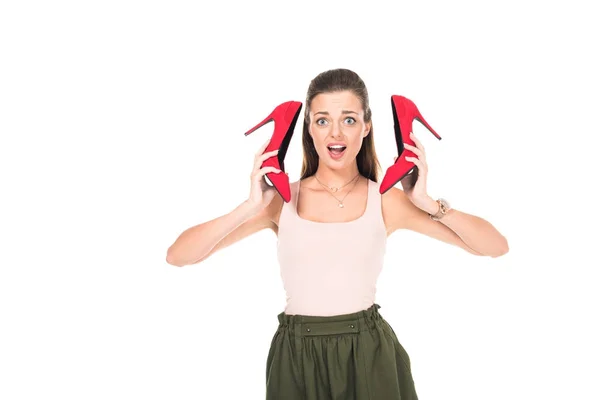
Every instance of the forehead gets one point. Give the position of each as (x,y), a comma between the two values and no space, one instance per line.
(336,101)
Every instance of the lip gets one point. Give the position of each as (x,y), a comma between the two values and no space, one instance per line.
(336,156)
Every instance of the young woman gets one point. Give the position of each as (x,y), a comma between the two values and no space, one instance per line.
(332,342)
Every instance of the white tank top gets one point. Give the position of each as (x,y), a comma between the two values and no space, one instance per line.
(331,268)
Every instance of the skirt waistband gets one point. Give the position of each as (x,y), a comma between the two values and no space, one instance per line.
(311,325)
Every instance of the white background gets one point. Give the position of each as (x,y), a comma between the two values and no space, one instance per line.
(122,125)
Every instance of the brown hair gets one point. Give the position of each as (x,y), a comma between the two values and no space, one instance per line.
(337,80)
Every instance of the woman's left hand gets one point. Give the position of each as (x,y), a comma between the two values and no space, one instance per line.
(415,183)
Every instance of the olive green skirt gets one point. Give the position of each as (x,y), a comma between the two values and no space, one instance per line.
(343,357)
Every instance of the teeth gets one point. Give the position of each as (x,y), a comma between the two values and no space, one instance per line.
(337,146)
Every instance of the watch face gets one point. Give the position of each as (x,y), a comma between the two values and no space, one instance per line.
(444,205)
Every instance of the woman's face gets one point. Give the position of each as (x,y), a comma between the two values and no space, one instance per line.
(337,127)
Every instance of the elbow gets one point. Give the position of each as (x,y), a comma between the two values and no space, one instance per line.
(501,250)
(172,259)
(497,251)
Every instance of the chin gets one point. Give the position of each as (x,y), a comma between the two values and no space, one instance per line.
(341,163)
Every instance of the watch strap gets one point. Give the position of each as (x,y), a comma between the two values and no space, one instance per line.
(444,207)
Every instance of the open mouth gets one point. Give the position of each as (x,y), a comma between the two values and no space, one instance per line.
(336,150)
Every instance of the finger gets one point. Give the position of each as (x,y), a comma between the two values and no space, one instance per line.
(417,142)
(263,171)
(418,152)
(267,155)
(259,160)
(262,148)
(422,166)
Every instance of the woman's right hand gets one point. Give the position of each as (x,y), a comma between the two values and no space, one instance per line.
(261,193)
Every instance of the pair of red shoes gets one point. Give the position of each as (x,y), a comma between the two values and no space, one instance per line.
(286,115)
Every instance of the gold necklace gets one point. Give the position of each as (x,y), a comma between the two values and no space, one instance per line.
(341,202)
(332,188)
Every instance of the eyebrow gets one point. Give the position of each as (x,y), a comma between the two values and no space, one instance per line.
(343,112)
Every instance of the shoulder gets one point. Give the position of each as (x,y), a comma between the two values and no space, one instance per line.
(273,210)
(397,209)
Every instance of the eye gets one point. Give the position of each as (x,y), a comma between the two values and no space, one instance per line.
(321,120)
(352,120)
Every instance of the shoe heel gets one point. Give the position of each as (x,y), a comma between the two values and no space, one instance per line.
(405,112)
(420,118)
(260,124)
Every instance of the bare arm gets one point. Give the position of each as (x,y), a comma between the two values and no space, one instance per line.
(471,233)
(411,207)
(477,233)
(199,241)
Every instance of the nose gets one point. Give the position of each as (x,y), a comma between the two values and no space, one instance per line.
(336,131)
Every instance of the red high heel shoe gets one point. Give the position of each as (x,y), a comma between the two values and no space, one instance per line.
(405,112)
(284,117)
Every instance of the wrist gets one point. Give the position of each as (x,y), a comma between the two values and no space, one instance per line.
(432,207)
(443,209)
(248,209)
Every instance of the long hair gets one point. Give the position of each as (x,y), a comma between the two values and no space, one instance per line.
(337,80)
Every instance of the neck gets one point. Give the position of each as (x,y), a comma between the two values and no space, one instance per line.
(336,177)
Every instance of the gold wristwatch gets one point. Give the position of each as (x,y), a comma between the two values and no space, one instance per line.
(444,208)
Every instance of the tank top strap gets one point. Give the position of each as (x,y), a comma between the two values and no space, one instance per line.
(288,210)
(374,212)
(372,198)
(296,193)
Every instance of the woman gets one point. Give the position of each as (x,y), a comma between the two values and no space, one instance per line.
(331,341)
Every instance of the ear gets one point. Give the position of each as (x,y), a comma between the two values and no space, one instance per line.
(307,124)
(310,131)
(367,129)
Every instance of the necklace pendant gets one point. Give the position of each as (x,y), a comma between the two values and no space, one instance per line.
(341,205)
(334,189)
